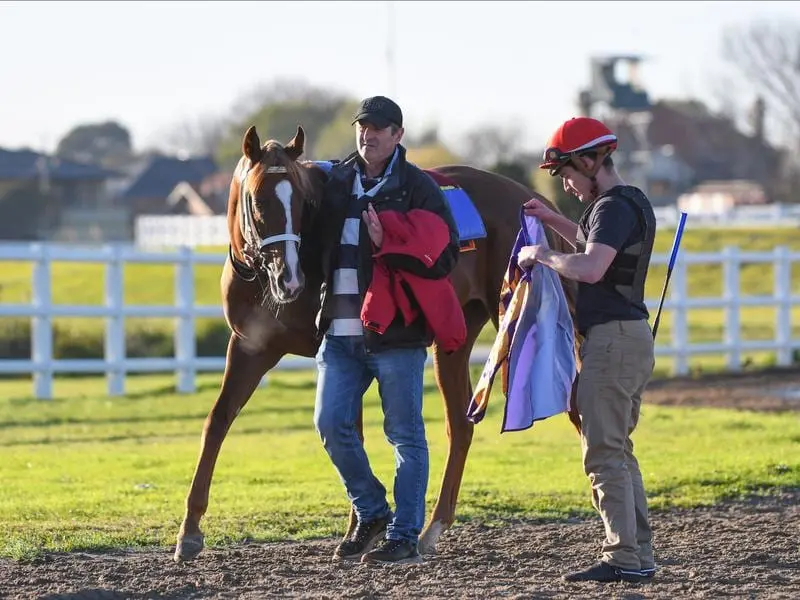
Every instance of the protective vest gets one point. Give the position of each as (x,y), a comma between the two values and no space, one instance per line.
(628,270)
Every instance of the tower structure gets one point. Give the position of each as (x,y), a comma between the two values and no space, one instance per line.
(623,104)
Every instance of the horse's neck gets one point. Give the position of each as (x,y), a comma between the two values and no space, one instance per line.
(234,231)
(300,317)
(235,235)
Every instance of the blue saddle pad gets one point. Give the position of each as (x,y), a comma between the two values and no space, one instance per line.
(468,219)
(325,165)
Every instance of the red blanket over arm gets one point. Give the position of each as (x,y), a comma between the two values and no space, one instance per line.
(417,235)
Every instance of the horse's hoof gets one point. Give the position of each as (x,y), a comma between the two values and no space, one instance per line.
(429,537)
(188,547)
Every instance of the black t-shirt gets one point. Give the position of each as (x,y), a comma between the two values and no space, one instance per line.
(613,221)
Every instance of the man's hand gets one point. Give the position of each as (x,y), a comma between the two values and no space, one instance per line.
(529,255)
(374,227)
(536,208)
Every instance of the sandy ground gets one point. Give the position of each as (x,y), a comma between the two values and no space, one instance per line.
(746,549)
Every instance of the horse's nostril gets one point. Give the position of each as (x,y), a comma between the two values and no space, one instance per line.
(291,282)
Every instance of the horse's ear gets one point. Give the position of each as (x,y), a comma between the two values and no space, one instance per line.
(251,145)
(295,147)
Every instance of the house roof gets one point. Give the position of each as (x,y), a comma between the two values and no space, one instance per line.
(27,164)
(218,183)
(710,144)
(161,174)
(195,203)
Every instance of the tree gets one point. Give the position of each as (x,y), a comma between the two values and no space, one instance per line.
(767,55)
(285,90)
(426,137)
(515,170)
(277,109)
(497,149)
(196,136)
(432,155)
(337,139)
(490,144)
(107,144)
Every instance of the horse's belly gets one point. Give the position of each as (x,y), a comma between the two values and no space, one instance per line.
(466,277)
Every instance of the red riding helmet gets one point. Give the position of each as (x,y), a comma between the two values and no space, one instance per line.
(575,137)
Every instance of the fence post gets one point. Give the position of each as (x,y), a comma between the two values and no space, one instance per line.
(730,293)
(42,326)
(115,323)
(783,309)
(184,331)
(680,328)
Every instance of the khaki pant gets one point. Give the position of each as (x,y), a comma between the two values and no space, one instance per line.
(617,362)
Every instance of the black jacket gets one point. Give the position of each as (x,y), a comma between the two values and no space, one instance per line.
(406,188)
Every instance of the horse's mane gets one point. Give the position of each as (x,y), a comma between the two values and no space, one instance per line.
(275,156)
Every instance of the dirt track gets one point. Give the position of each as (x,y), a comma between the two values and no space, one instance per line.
(748,549)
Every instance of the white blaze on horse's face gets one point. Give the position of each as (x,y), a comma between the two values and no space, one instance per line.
(283,190)
(280,276)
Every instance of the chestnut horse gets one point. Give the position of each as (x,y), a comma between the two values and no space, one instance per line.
(270,294)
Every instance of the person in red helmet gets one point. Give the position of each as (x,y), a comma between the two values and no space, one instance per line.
(613,241)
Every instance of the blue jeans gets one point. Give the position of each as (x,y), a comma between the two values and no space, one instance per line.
(346,370)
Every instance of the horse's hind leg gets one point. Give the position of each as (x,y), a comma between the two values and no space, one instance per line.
(243,371)
(452,378)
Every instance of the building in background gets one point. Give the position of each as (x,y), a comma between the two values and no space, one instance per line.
(48,198)
(668,147)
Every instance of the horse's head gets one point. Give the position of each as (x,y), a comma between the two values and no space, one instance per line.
(269,193)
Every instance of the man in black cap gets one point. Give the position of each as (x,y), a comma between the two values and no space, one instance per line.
(376,177)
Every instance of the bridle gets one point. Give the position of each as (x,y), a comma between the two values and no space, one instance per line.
(255,266)
(247,223)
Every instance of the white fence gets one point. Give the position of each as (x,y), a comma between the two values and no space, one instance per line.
(171,231)
(764,215)
(186,363)
(189,230)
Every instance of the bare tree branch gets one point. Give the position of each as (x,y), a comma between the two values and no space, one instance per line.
(767,54)
(283,90)
(490,144)
(199,135)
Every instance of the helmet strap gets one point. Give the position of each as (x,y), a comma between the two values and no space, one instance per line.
(591,173)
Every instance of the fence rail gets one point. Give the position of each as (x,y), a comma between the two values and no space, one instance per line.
(191,230)
(186,364)
(762,215)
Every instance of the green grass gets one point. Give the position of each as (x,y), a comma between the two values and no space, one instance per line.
(85,471)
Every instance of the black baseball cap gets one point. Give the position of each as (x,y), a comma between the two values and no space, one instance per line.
(380,111)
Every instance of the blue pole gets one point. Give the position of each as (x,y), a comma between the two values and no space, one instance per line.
(675,245)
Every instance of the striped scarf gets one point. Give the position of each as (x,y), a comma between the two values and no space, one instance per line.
(347,298)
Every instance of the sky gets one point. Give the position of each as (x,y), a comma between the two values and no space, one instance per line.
(457,65)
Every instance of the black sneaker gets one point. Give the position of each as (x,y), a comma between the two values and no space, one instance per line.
(363,539)
(648,572)
(399,552)
(606,573)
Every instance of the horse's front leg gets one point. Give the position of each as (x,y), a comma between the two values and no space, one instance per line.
(243,371)
(452,378)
